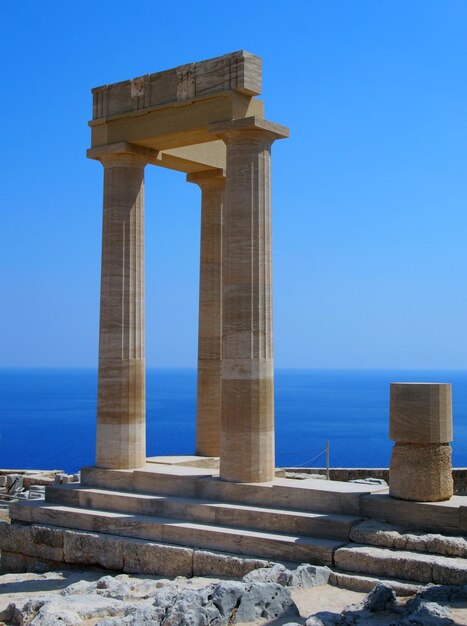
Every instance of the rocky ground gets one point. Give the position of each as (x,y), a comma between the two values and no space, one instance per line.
(274,596)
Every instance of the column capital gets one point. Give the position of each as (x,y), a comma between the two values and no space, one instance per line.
(207,178)
(123,154)
(253,126)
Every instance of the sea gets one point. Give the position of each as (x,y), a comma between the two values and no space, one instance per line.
(48,416)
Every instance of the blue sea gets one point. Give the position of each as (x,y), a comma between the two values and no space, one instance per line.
(47,416)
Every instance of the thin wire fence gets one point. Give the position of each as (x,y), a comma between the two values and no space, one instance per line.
(321,453)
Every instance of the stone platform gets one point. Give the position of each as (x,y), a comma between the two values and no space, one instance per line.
(182,519)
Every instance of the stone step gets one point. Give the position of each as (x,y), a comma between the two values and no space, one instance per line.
(361,582)
(435,517)
(317,496)
(325,525)
(277,546)
(384,535)
(401,564)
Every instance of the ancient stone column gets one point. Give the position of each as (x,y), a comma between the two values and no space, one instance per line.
(212,184)
(121,413)
(421,426)
(247,414)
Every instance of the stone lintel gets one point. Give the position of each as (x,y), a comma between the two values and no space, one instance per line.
(206,176)
(122,147)
(238,71)
(420,413)
(196,158)
(175,125)
(249,123)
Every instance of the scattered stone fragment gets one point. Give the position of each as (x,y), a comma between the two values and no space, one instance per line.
(14,482)
(381,607)
(304,476)
(8,614)
(369,481)
(305,576)
(444,593)
(380,598)
(422,613)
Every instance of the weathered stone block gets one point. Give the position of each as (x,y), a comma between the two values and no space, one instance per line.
(14,481)
(36,541)
(140,557)
(238,71)
(13,562)
(207,563)
(420,412)
(48,536)
(421,473)
(93,549)
(393,564)
(449,572)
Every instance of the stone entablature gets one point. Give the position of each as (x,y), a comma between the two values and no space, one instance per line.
(239,71)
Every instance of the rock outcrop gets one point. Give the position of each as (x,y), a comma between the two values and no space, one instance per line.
(126,601)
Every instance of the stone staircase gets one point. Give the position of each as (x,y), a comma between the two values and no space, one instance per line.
(383,550)
(225,528)
(307,525)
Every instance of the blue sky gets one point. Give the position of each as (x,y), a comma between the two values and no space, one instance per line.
(369,192)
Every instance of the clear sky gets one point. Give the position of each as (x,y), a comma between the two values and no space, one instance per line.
(369,193)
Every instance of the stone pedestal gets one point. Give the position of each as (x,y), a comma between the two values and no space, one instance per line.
(121,441)
(421,426)
(208,416)
(247,417)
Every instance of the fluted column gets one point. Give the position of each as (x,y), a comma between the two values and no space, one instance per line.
(247,412)
(208,415)
(121,411)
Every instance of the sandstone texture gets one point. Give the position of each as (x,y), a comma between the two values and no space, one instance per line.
(421,472)
(208,428)
(247,404)
(121,399)
(421,412)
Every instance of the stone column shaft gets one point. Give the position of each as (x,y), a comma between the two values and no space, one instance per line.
(121,414)
(247,419)
(212,184)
